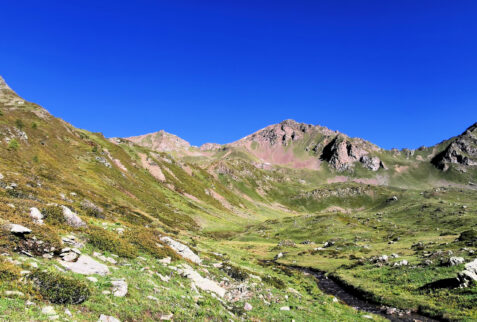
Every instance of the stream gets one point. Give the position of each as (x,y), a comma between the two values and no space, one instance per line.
(352,298)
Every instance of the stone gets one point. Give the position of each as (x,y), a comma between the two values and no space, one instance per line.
(468,275)
(278,256)
(167,317)
(285,308)
(453,261)
(92,279)
(14,293)
(120,288)
(19,230)
(72,219)
(248,307)
(68,312)
(165,261)
(86,265)
(182,250)
(107,318)
(203,283)
(36,215)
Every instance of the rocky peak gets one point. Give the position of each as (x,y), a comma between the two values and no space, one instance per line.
(342,152)
(160,141)
(278,134)
(461,151)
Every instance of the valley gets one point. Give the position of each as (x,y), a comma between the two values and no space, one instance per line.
(152,228)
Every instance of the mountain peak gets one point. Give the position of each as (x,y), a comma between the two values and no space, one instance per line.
(160,141)
(3,84)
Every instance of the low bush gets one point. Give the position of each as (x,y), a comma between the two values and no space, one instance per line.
(53,215)
(8,271)
(149,242)
(108,241)
(60,289)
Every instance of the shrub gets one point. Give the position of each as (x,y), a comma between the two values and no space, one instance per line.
(13,145)
(274,281)
(53,215)
(60,289)
(34,125)
(149,242)
(108,241)
(8,271)
(469,236)
(19,124)
(91,209)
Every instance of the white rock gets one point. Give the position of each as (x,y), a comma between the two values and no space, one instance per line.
(165,261)
(285,308)
(167,317)
(36,215)
(14,293)
(120,288)
(152,298)
(247,306)
(204,284)
(48,310)
(469,274)
(92,279)
(71,218)
(19,229)
(107,318)
(86,265)
(163,278)
(68,312)
(182,249)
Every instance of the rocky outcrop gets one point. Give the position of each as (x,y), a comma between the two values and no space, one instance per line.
(182,250)
(461,151)
(341,153)
(210,147)
(202,283)
(468,275)
(86,265)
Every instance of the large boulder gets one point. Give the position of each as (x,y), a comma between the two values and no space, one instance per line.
(19,230)
(36,215)
(468,275)
(86,265)
(71,218)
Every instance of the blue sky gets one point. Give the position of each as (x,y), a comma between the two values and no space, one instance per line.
(397,73)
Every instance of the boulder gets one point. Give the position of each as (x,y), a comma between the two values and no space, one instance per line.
(107,318)
(453,261)
(120,287)
(203,283)
(182,250)
(86,265)
(19,230)
(468,275)
(36,215)
(71,218)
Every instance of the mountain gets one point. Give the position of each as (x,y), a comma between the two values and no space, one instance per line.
(151,228)
(160,141)
(461,151)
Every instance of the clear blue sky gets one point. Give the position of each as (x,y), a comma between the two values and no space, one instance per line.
(398,73)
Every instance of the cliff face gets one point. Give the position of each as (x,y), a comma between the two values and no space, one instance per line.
(461,151)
